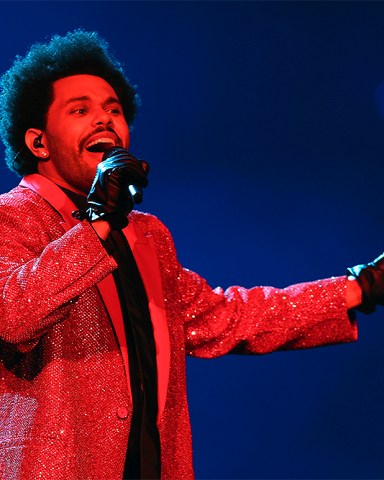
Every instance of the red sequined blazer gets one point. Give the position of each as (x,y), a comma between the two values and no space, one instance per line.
(65,402)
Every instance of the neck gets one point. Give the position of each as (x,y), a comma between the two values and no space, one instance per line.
(62,183)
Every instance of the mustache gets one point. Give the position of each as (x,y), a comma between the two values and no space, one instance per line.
(100,130)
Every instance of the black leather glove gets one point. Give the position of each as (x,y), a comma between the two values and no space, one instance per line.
(115,188)
(371,280)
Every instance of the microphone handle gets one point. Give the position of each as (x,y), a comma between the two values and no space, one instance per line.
(136,193)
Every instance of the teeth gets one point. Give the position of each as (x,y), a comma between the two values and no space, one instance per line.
(101,140)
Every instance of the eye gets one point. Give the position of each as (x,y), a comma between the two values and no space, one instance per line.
(114,110)
(79,111)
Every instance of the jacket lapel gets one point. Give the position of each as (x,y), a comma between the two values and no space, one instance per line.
(144,251)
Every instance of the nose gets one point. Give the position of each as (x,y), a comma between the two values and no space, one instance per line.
(101,117)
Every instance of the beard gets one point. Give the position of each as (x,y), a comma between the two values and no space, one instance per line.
(76,168)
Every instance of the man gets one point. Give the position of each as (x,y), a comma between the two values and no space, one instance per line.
(96,312)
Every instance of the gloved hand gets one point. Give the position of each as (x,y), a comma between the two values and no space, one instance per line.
(111,197)
(370,277)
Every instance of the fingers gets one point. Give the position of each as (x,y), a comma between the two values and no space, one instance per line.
(127,175)
(128,169)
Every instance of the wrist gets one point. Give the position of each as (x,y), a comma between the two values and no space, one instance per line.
(354,296)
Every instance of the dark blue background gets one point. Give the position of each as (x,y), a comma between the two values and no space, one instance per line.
(266,146)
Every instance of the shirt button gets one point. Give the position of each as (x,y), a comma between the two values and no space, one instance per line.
(122,412)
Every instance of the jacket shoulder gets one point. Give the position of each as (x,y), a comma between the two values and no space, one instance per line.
(21,197)
(26,209)
(149,223)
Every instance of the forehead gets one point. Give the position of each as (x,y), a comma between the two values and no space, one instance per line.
(81,86)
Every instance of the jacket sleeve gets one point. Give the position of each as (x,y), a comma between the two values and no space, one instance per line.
(43,270)
(264,319)
(257,320)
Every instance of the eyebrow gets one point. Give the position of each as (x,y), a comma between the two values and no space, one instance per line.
(83,98)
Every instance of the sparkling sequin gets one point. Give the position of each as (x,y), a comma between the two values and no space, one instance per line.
(64,407)
(254,321)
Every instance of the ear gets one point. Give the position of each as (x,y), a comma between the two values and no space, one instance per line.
(36,142)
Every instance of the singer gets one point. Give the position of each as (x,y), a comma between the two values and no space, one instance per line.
(96,313)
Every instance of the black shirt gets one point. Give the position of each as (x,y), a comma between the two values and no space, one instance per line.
(143,452)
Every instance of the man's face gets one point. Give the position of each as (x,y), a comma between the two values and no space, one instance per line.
(84,119)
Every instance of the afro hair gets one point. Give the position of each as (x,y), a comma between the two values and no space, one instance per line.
(27,93)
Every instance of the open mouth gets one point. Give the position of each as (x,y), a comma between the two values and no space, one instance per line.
(100,145)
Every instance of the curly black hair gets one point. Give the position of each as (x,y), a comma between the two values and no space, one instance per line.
(27,93)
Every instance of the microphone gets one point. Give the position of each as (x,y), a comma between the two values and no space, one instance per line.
(135,192)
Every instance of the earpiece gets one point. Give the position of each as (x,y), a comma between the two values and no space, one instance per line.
(37,141)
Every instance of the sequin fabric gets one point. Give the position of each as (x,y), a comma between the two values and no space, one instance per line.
(64,407)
